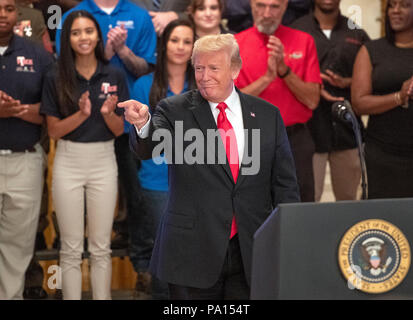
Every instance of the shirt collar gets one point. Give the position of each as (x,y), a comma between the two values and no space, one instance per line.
(170,93)
(95,9)
(101,69)
(231,101)
(341,21)
(15,43)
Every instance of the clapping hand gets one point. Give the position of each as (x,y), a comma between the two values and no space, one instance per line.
(271,66)
(336,80)
(410,88)
(10,107)
(117,37)
(329,97)
(406,91)
(277,51)
(85,105)
(161,19)
(109,106)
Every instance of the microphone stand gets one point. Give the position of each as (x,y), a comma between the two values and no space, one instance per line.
(357,133)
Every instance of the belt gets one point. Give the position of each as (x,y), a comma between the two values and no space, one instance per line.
(4,152)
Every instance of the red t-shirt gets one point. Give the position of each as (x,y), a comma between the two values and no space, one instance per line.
(300,56)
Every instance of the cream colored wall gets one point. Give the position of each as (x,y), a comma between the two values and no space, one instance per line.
(368,10)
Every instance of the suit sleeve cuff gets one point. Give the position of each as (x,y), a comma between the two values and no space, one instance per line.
(143,133)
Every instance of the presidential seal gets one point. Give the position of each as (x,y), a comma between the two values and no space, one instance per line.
(374,256)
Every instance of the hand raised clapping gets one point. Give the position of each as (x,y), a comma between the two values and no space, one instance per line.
(276,50)
(117,37)
(335,79)
(85,105)
(10,107)
(406,91)
(109,106)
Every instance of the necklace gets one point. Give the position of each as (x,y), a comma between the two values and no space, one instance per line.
(404,44)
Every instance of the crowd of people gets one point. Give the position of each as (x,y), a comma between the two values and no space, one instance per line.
(298,55)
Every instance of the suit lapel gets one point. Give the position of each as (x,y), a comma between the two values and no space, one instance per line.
(250,123)
(203,116)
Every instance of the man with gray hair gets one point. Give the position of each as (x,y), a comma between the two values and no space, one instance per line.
(280,65)
(203,247)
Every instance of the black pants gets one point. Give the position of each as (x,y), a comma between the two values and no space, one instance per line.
(303,148)
(231,284)
(130,188)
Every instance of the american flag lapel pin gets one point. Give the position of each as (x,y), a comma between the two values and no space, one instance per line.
(252,114)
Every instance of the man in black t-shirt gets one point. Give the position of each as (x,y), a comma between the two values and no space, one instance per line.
(23,65)
(337,40)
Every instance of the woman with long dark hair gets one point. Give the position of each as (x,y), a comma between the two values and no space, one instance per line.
(79,101)
(206,16)
(173,75)
(382,88)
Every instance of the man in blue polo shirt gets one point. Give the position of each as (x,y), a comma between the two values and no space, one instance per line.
(23,65)
(130,43)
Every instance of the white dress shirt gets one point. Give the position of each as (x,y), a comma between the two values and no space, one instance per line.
(234,116)
(3,50)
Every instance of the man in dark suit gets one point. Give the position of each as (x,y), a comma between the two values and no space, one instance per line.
(204,243)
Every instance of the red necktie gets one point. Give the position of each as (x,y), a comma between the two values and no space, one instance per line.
(230,143)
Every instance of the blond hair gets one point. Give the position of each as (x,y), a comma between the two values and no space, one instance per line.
(215,43)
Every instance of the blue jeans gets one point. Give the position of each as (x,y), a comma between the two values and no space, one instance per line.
(142,238)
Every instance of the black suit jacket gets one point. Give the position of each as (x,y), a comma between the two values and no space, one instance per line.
(194,232)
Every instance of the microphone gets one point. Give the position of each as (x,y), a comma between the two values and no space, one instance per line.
(342,111)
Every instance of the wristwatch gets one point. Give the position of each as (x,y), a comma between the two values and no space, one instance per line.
(286,73)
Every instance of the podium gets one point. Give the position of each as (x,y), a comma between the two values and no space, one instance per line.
(301,249)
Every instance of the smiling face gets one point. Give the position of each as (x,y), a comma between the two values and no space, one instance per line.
(400,14)
(8,17)
(214,74)
(207,16)
(83,36)
(179,45)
